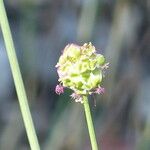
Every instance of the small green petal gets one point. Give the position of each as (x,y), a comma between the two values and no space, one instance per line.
(73,51)
(94,80)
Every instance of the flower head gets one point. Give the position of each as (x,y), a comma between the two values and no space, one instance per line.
(80,68)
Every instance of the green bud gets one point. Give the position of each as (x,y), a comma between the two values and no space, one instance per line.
(100,59)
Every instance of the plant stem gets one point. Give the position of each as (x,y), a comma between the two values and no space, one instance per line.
(90,124)
(23,102)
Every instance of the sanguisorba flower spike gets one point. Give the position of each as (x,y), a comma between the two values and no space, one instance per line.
(81,69)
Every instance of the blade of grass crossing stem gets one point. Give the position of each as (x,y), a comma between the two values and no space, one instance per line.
(31,134)
(90,124)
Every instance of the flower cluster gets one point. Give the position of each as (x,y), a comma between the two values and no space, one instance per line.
(80,68)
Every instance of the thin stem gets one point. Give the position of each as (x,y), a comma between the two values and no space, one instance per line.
(90,124)
(23,102)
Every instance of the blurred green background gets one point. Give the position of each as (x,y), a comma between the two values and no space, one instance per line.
(119,29)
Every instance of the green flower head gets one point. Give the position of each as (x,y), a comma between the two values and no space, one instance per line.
(80,68)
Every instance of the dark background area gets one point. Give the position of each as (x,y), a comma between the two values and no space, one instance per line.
(120,30)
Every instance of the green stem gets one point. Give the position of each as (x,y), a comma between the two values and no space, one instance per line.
(23,102)
(90,124)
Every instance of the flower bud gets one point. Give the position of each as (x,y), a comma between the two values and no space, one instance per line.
(59,89)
